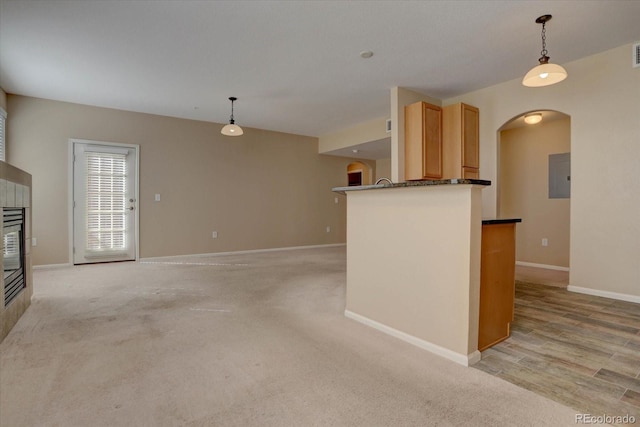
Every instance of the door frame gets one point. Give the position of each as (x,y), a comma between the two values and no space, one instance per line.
(70,201)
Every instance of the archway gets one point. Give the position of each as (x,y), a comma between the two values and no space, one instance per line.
(358,173)
(533,163)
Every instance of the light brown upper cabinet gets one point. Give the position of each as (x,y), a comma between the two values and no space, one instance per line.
(422,141)
(461,141)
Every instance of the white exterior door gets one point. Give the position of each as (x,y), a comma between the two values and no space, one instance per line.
(104,202)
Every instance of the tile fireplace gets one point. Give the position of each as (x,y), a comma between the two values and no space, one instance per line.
(17,289)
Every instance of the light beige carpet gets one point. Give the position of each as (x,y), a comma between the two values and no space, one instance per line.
(242,340)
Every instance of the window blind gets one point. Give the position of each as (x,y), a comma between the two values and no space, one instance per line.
(3,120)
(106,201)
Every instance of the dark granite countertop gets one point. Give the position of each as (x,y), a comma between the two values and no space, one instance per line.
(500,221)
(421,183)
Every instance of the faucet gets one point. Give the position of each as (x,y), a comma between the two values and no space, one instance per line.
(384,179)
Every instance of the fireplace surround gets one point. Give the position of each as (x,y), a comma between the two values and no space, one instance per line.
(17,289)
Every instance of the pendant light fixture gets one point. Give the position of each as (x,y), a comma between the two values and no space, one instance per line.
(544,74)
(232,129)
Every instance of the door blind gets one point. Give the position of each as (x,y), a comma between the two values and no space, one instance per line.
(106,201)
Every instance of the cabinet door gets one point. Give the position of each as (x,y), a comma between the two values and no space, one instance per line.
(470,137)
(432,142)
(497,283)
(470,173)
(422,141)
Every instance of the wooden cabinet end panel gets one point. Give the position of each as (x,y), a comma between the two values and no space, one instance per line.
(413,141)
(470,136)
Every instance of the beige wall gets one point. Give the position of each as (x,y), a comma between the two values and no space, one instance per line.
(372,130)
(383,169)
(260,190)
(524,191)
(602,97)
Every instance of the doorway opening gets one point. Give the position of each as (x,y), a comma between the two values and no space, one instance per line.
(358,173)
(533,162)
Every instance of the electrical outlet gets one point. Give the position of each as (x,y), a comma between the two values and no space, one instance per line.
(545,242)
(157,198)
(34,241)
(335,200)
(214,234)
(328,229)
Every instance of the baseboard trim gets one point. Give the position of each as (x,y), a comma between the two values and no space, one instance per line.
(462,359)
(604,294)
(547,266)
(50,266)
(250,251)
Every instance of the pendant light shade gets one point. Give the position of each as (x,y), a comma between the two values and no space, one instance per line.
(544,74)
(232,129)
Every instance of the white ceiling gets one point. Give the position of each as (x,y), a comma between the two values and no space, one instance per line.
(294,65)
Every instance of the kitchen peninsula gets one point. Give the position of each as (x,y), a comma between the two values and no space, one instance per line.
(413,262)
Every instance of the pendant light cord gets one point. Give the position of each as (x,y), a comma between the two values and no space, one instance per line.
(231,119)
(544,40)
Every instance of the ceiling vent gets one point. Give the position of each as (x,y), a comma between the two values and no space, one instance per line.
(636,55)
(388,125)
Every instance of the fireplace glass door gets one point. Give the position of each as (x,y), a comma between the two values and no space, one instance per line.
(13,252)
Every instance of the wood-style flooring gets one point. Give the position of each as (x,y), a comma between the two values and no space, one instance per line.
(579,350)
